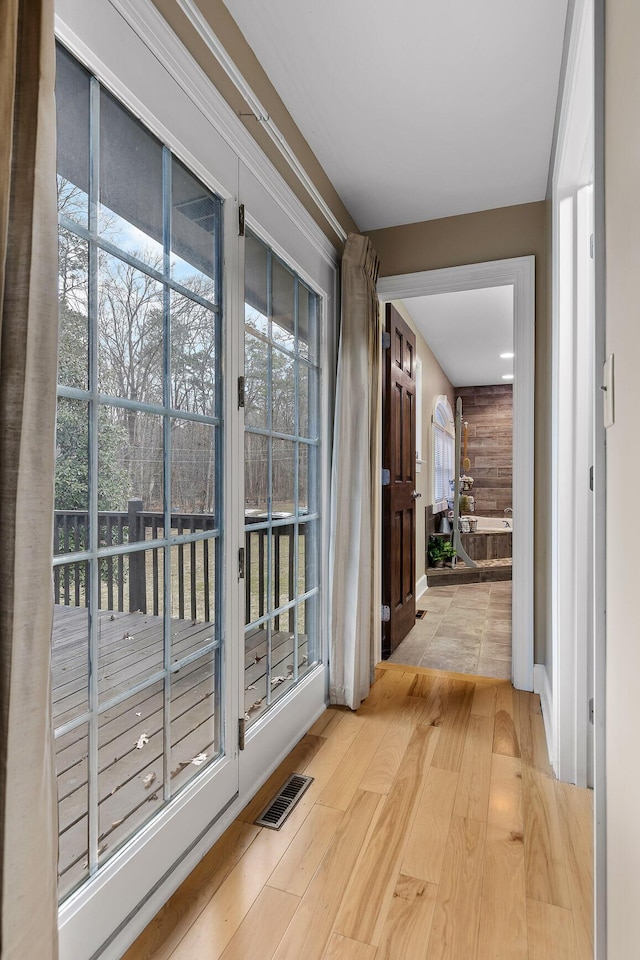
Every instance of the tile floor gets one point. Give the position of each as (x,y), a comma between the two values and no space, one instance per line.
(466,628)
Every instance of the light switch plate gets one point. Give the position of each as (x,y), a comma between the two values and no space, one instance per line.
(608,393)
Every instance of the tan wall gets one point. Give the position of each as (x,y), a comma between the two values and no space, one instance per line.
(434,383)
(499,234)
(239,50)
(622,211)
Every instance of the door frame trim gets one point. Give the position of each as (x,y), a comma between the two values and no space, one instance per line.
(518,272)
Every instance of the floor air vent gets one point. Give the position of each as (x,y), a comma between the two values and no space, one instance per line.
(284,801)
(420,614)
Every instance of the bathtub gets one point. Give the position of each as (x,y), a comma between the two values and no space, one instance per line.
(493,524)
(492,539)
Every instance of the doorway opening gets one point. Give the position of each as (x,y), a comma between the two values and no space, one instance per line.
(492,609)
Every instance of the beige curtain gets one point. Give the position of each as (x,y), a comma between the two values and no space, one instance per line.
(353,481)
(28,348)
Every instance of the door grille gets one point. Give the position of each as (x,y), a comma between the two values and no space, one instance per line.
(277,811)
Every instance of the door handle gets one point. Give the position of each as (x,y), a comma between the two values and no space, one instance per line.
(415,494)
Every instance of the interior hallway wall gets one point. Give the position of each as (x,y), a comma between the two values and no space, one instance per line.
(517,231)
(435,383)
(622,721)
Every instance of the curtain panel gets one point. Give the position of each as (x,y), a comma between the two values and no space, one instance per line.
(353,480)
(28,351)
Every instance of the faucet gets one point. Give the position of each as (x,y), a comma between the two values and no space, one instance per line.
(507,523)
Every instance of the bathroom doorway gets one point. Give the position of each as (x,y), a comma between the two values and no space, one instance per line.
(475,618)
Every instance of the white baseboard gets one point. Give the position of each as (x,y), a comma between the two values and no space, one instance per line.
(421,586)
(542,687)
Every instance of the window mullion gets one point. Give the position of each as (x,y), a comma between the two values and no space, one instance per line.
(94,536)
(296,488)
(270,604)
(166,427)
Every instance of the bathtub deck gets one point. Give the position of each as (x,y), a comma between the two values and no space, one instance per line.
(486,571)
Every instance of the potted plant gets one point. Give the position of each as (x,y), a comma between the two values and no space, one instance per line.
(435,552)
(449,552)
(439,550)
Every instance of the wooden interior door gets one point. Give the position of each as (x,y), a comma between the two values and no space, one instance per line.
(398,495)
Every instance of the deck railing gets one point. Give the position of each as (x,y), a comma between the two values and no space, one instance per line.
(133,581)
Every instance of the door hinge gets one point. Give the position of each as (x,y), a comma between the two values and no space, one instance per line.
(241,563)
(241,729)
(240,392)
(591,246)
(386,613)
(591,710)
(591,479)
(386,340)
(241,220)
(386,477)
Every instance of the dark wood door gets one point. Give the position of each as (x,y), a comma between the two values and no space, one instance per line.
(398,500)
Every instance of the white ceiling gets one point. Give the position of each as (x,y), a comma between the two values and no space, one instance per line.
(467,332)
(417,109)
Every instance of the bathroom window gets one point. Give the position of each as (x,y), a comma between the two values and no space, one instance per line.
(443,438)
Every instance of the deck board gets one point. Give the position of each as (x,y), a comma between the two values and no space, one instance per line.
(130,651)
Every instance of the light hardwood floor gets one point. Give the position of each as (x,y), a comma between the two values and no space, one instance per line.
(433,830)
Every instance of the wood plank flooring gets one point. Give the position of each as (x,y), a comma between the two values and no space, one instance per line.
(434,830)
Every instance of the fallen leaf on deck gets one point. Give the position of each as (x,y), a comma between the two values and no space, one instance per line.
(199,760)
(148,780)
(116,823)
(102,848)
(139,714)
(251,686)
(142,739)
(181,766)
(112,617)
(276,681)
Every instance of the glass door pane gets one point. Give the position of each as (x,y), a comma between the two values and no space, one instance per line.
(137,658)
(281,479)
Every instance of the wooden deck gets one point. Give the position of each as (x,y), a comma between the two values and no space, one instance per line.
(131,733)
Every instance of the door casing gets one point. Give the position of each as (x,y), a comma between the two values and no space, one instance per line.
(518,272)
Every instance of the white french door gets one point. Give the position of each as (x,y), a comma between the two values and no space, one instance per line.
(283,676)
(164,646)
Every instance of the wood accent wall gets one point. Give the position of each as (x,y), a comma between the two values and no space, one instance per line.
(489,413)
